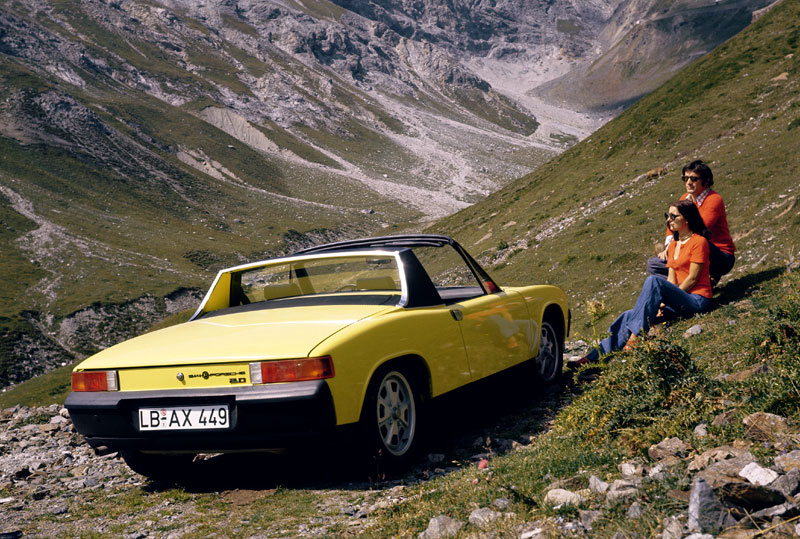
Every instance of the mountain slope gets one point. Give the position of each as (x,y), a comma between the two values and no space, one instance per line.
(144,145)
(646,44)
(588,219)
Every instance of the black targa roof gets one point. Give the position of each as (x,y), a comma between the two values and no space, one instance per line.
(408,241)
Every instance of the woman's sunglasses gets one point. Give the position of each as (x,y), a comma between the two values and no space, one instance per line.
(671,216)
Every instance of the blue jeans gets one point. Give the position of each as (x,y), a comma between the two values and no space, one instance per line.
(655,291)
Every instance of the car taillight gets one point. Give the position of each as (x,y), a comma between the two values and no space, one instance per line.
(95,381)
(291,370)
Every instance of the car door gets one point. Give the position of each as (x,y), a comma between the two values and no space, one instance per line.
(497,331)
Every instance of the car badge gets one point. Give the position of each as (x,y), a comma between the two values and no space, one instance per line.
(179,376)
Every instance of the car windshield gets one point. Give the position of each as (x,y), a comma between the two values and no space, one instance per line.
(307,276)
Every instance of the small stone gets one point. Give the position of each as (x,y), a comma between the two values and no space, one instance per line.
(696,329)
(483,516)
(669,447)
(59,509)
(631,468)
(757,474)
(537,532)
(502,503)
(785,511)
(597,485)
(713,455)
(663,468)
(90,482)
(673,529)
(560,496)
(701,430)
(622,489)
(441,526)
(635,510)
(789,461)
(765,427)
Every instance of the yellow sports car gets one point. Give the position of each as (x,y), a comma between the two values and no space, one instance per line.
(360,332)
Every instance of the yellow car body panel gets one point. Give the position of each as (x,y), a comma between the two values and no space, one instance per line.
(238,337)
(184,377)
(429,333)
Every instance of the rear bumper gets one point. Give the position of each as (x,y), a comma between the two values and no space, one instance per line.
(261,417)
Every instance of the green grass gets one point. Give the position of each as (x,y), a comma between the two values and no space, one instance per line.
(49,388)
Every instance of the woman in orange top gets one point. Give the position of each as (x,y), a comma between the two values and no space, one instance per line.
(698,178)
(686,290)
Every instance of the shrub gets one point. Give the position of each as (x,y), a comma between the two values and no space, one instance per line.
(658,388)
(778,347)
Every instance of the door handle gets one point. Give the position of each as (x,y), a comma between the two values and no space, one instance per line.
(457,315)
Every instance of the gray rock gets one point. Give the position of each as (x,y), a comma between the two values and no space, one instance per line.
(441,526)
(701,430)
(788,484)
(757,474)
(483,516)
(707,514)
(502,503)
(765,427)
(670,447)
(696,329)
(713,455)
(597,485)
(726,471)
(560,496)
(635,510)
(59,509)
(789,461)
(785,511)
(673,528)
(622,489)
(631,468)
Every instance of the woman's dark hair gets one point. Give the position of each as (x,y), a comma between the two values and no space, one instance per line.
(689,211)
(700,168)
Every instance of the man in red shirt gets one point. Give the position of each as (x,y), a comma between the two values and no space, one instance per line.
(698,178)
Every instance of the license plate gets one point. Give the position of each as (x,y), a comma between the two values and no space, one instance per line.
(184,418)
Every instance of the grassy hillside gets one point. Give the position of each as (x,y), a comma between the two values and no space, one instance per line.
(587,220)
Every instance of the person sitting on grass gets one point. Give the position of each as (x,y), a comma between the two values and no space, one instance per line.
(698,179)
(685,292)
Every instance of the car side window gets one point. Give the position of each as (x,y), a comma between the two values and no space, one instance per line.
(446,268)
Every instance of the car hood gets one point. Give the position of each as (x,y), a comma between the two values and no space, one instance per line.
(246,336)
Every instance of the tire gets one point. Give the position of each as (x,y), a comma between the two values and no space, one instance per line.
(550,361)
(391,417)
(158,466)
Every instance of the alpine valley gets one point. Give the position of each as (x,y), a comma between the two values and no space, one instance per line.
(145,144)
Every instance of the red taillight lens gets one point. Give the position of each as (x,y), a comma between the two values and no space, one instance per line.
(94,381)
(291,370)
